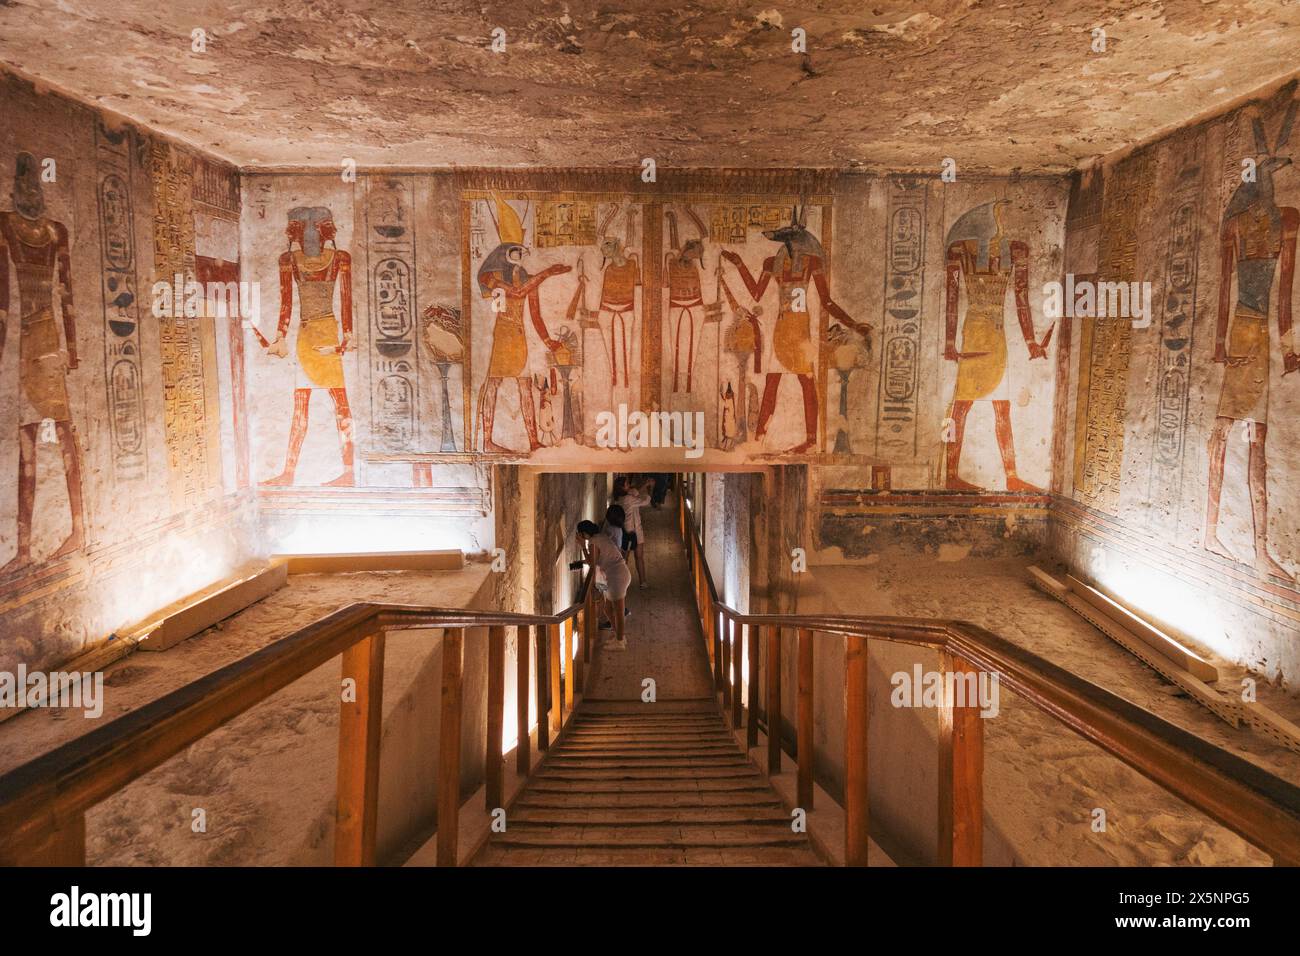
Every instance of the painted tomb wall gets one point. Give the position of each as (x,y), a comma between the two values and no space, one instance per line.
(123,440)
(1176,473)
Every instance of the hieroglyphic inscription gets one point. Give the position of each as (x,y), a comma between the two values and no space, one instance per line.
(1177,322)
(1123,207)
(565,223)
(1082,227)
(121,298)
(216,259)
(394,372)
(730,223)
(185,406)
(901,335)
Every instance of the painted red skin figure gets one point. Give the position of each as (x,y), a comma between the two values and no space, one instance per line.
(685,292)
(797,265)
(620,278)
(1257,236)
(39,249)
(978,235)
(319,349)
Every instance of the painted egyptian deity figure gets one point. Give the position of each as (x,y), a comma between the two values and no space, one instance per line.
(503,279)
(1256,236)
(620,277)
(799,263)
(981,255)
(38,248)
(685,292)
(315,268)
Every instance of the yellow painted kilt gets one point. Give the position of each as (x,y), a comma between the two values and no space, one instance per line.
(981,375)
(322,369)
(1245,387)
(792,344)
(44,371)
(509,347)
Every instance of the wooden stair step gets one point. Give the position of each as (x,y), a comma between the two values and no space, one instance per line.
(632,753)
(682,785)
(612,856)
(642,734)
(701,765)
(647,816)
(645,800)
(594,706)
(679,835)
(549,772)
(667,723)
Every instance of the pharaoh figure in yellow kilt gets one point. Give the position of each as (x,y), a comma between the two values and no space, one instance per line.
(503,280)
(981,253)
(315,270)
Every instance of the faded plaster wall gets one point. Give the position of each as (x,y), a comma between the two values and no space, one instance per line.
(154,404)
(1135,476)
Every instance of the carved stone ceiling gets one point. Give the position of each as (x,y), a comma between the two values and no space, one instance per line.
(996,86)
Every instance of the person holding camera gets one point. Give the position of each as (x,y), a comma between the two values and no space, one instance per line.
(600,551)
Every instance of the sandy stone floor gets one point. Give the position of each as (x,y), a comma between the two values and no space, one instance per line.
(663,637)
(1038,774)
(265,780)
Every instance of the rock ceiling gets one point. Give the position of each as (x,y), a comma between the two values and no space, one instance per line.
(995,86)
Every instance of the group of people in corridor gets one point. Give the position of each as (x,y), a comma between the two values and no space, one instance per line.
(610,547)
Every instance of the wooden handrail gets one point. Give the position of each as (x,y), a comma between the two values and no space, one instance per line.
(44,801)
(1259,806)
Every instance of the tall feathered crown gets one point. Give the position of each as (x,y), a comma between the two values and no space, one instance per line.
(510,228)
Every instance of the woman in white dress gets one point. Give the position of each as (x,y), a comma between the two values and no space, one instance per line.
(632,499)
(600,551)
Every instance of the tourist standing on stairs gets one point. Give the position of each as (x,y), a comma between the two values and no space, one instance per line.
(632,500)
(600,551)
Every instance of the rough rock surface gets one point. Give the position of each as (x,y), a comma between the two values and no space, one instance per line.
(995,86)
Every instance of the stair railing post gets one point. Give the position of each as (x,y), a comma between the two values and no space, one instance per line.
(773,700)
(856,807)
(719,638)
(557,691)
(590,622)
(523,682)
(579,631)
(751,725)
(496,716)
(453,645)
(541,643)
(568,643)
(961,767)
(356,806)
(737,689)
(724,679)
(804,731)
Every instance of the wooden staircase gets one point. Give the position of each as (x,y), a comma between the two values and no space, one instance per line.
(647,785)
